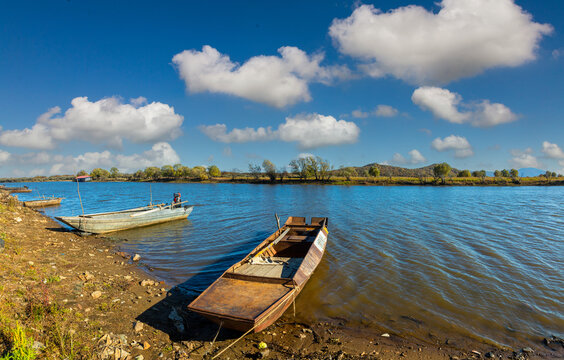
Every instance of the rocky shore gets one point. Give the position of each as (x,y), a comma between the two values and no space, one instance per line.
(65,296)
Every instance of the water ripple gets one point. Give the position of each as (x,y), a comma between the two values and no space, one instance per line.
(473,261)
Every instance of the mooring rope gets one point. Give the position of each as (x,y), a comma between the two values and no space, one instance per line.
(295,290)
(215,337)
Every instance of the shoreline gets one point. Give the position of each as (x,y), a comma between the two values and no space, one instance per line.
(81,297)
(379,181)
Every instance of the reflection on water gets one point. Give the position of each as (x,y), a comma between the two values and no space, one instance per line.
(482,262)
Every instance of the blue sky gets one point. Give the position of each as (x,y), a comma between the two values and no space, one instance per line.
(85,84)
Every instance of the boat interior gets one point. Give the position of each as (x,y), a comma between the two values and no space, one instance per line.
(264,277)
(282,257)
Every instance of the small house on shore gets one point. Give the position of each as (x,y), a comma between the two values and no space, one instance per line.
(83,178)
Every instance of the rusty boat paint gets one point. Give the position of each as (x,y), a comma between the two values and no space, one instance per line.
(253,293)
(43,202)
(102,223)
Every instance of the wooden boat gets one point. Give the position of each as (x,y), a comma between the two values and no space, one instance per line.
(255,292)
(22,189)
(127,219)
(43,202)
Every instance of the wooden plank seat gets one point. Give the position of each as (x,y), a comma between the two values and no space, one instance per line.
(299,238)
(274,267)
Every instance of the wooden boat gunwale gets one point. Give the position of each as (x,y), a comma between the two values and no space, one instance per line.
(43,202)
(97,223)
(278,306)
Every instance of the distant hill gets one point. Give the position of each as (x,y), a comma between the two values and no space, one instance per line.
(389,170)
(530,172)
(524,172)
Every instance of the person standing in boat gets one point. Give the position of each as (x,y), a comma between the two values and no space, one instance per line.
(176,201)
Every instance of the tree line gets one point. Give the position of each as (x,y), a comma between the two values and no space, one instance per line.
(304,168)
(177,171)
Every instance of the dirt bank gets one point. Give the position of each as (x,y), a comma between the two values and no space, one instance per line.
(63,296)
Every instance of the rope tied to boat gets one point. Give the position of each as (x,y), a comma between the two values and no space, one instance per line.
(295,294)
(262,260)
(295,291)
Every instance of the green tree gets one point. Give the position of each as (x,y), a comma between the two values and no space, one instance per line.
(199,172)
(214,171)
(300,167)
(347,173)
(269,169)
(178,170)
(441,171)
(505,173)
(464,173)
(152,172)
(114,173)
(497,173)
(81,173)
(514,173)
(312,167)
(139,175)
(478,173)
(374,171)
(254,170)
(282,173)
(99,174)
(324,169)
(167,171)
(185,172)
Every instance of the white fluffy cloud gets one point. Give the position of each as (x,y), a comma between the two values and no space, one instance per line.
(379,111)
(414,157)
(4,156)
(138,101)
(273,80)
(360,114)
(309,131)
(444,104)
(218,132)
(524,159)
(463,39)
(552,151)
(459,144)
(385,111)
(105,121)
(160,154)
(441,102)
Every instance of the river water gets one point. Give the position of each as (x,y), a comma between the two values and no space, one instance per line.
(479,262)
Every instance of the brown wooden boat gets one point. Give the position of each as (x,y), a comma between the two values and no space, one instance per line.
(43,202)
(255,292)
(22,189)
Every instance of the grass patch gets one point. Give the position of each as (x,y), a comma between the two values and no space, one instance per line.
(63,340)
(12,203)
(32,274)
(53,279)
(20,345)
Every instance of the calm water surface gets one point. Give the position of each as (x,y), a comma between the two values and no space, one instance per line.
(481,262)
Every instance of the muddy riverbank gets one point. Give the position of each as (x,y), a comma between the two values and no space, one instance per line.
(68,296)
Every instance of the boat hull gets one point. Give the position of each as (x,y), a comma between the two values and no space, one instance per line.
(42,203)
(17,189)
(110,222)
(253,293)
